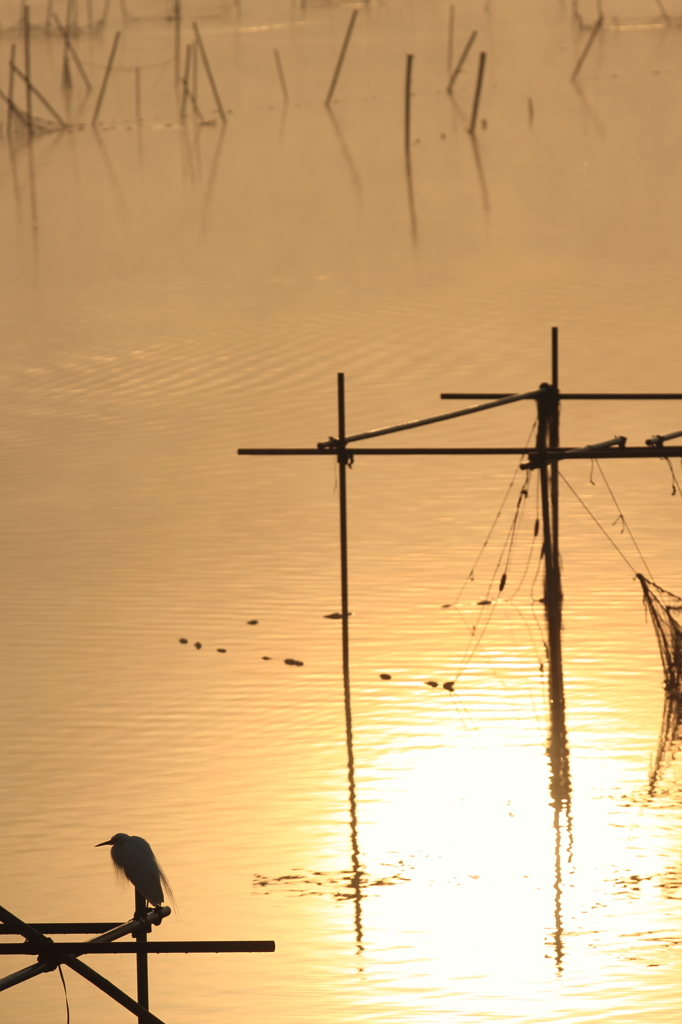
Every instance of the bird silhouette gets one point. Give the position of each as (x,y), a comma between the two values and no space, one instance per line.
(134,858)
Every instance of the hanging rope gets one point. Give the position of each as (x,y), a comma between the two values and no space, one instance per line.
(594,518)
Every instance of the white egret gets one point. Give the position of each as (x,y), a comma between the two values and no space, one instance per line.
(134,858)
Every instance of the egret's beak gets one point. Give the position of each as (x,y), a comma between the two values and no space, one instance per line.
(108,842)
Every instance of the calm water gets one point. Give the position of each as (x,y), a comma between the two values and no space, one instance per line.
(173,293)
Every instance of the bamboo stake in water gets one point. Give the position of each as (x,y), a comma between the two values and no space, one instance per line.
(666,16)
(408,102)
(105,80)
(177,16)
(10,87)
(460,62)
(138,95)
(477,97)
(185,81)
(70,47)
(13,109)
(39,95)
(27,66)
(451,35)
(339,63)
(209,73)
(588,45)
(280,73)
(102,24)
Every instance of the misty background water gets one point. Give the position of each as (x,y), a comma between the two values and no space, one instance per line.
(173,293)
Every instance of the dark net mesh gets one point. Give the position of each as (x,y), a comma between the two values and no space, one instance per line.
(665,610)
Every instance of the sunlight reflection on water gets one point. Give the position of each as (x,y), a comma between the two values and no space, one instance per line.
(172,294)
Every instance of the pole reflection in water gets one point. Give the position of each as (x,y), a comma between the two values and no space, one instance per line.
(560,802)
(354,175)
(481,173)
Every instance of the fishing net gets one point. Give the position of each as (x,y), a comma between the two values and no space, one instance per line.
(665,610)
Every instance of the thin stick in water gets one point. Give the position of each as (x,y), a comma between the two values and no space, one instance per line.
(10,87)
(13,109)
(588,45)
(209,73)
(451,35)
(105,80)
(39,95)
(339,63)
(477,97)
(138,95)
(68,45)
(460,62)
(666,16)
(408,102)
(27,66)
(280,74)
(185,81)
(102,24)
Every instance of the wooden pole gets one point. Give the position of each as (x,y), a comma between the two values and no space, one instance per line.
(70,47)
(177,15)
(39,95)
(10,87)
(185,81)
(280,74)
(343,524)
(588,46)
(477,97)
(105,80)
(141,954)
(408,102)
(27,67)
(460,62)
(552,593)
(339,63)
(209,73)
(138,95)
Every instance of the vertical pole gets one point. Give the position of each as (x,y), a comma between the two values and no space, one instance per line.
(10,88)
(343,523)
(408,103)
(345,644)
(554,467)
(177,16)
(552,597)
(27,67)
(138,95)
(141,955)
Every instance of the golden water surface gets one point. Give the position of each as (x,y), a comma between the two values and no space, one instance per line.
(174,291)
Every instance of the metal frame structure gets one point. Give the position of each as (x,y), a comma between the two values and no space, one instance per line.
(52,955)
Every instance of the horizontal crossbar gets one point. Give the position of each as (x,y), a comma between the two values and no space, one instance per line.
(580,396)
(71,928)
(671,451)
(59,949)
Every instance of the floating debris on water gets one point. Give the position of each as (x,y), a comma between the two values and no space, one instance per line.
(449,686)
(292,661)
(252,622)
(183,640)
(384,675)
(198,645)
(336,615)
(430,682)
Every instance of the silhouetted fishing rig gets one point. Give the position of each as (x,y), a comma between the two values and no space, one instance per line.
(51,955)
(544,456)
